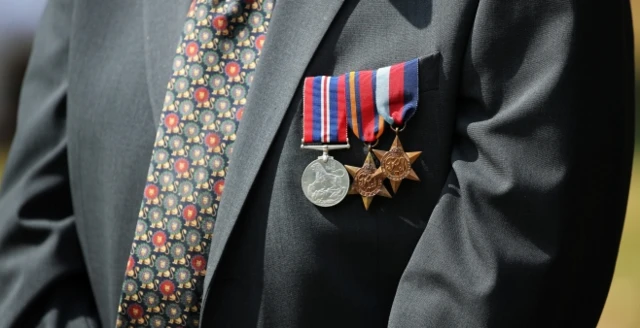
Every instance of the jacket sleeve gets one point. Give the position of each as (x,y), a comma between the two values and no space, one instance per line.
(527,228)
(43,278)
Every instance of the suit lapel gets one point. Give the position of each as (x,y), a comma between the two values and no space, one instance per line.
(163,21)
(296,29)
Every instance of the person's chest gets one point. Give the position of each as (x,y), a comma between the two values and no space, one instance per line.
(120,61)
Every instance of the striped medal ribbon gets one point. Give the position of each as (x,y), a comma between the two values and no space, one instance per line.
(368,125)
(397,101)
(325,181)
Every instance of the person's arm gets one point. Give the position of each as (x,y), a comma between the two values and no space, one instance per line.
(43,279)
(527,229)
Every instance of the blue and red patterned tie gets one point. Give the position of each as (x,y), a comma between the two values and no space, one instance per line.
(212,71)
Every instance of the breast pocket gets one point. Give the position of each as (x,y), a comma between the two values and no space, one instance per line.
(429,72)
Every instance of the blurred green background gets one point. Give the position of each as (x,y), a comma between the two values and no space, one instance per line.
(623,304)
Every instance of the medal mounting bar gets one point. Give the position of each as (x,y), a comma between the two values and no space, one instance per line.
(325,148)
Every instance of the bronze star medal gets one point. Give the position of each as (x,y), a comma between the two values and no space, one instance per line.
(367,181)
(367,125)
(397,103)
(396,164)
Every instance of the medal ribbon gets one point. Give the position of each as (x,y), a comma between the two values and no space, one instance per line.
(364,120)
(397,92)
(324,110)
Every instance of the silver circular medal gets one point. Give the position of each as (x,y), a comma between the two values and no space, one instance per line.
(325,182)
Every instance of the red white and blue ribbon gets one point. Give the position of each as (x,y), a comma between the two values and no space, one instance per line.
(363,99)
(324,110)
(397,92)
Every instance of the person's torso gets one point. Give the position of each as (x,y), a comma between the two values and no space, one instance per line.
(288,263)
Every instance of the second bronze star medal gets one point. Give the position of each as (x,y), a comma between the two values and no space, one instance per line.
(396,102)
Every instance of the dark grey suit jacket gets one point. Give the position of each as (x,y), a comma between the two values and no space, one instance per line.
(525,123)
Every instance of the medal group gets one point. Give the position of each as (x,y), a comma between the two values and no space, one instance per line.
(364,101)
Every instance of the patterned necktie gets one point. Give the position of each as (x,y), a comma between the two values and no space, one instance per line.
(212,71)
